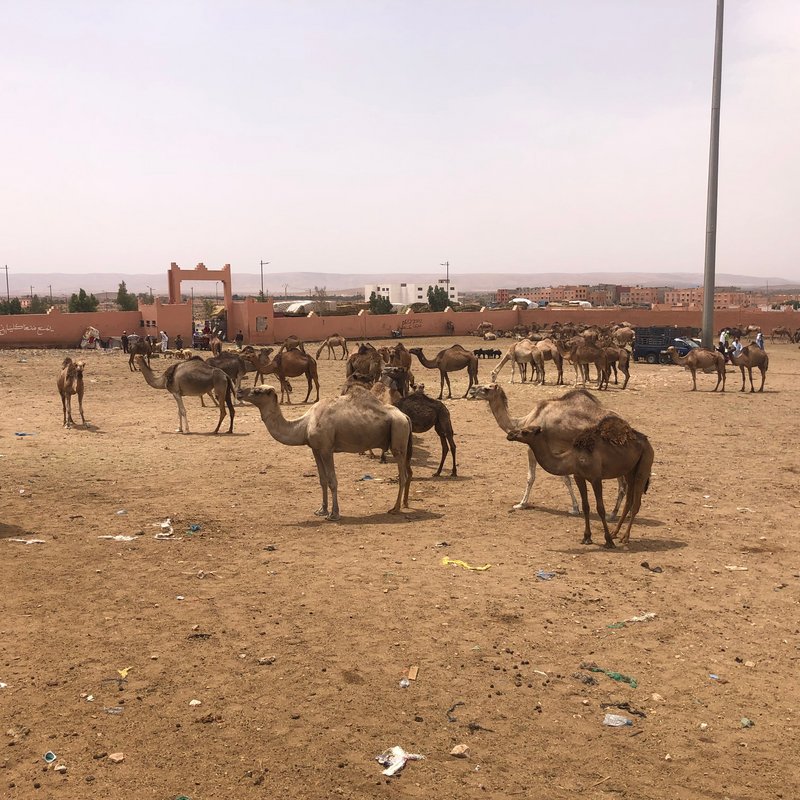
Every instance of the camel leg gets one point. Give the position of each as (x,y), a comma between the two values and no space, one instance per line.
(441,385)
(743,383)
(614,367)
(323,482)
(597,487)
(402,453)
(449,390)
(452,442)
(627,373)
(333,485)
(763,378)
(220,401)
(694,379)
(531,478)
(183,420)
(443,442)
(587,531)
(308,393)
(80,405)
(64,407)
(574,511)
(620,498)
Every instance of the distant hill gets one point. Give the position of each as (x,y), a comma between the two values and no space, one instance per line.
(301,282)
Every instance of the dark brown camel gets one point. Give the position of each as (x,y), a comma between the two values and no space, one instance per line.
(140,348)
(452,359)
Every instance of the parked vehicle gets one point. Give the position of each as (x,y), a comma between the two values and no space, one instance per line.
(651,344)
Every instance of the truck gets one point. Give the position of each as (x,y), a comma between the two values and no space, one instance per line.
(651,344)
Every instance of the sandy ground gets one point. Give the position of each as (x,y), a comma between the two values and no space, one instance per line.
(338,612)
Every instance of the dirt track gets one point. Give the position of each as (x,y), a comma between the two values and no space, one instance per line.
(345,608)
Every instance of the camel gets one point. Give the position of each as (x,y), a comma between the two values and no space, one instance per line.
(521,354)
(452,359)
(567,416)
(215,345)
(550,352)
(140,348)
(752,356)
(192,378)
(609,449)
(232,365)
(581,355)
(350,423)
(701,358)
(426,413)
(257,362)
(619,356)
(623,336)
(781,332)
(292,364)
(332,342)
(70,382)
(292,343)
(366,360)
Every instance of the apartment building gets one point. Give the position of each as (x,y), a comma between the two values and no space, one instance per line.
(407,293)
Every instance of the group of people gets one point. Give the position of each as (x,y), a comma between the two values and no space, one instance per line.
(731,345)
(128,340)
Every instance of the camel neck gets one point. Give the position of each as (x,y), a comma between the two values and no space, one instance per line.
(150,377)
(545,457)
(499,406)
(426,362)
(288,432)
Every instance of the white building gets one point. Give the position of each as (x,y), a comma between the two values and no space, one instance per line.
(404,294)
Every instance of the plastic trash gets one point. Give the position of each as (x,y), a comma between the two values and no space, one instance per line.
(114,710)
(122,512)
(616,720)
(24,433)
(646,565)
(463,564)
(615,676)
(28,541)
(545,576)
(395,758)
(118,538)
(366,477)
(193,527)
(643,618)
(405,683)
(3,685)
(747,723)
(50,756)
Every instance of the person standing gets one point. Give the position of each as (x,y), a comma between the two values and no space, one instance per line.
(164,341)
(124,339)
(239,339)
(737,346)
(760,340)
(179,342)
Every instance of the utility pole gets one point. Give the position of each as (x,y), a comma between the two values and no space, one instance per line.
(8,293)
(285,289)
(709,276)
(151,291)
(263,264)
(446,264)
(50,286)
(31,293)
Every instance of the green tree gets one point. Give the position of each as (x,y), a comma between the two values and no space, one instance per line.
(145,299)
(12,306)
(125,300)
(208,307)
(437,298)
(82,302)
(39,305)
(379,305)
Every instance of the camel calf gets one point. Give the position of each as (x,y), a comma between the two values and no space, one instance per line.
(70,382)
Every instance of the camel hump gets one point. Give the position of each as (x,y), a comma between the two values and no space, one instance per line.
(584,393)
(169,375)
(66,362)
(612,430)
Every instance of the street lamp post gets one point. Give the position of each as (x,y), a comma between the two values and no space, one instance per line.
(263,264)
(446,264)
(216,291)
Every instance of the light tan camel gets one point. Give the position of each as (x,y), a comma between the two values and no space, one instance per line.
(618,357)
(192,378)
(550,352)
(520,354)
(292,343)
(564,416)
(215,345)
(292,364)
(351,423)
(70,382)
(452,359)
(609,449)
(366,360)
(752,356)
(332,342)
(703,359)
(623,336)
(140,348)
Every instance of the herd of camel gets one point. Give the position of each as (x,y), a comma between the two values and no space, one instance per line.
(381,405)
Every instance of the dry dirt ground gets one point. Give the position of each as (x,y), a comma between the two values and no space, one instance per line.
(294,633)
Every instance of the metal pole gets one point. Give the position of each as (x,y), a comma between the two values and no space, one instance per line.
(8,293)
(446,264)
(50,286)
(709,276)
(263,264)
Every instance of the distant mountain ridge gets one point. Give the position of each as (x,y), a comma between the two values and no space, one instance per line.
(300,282)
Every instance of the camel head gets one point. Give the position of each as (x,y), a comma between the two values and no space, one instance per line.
(260,397)
(486,392)
(415,350)
(525,435)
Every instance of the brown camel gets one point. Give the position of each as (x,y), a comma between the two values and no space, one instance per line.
(332,342)
(565,417)
(703,359)
(752,356)
(232,364)
(619,356)
(582,352)
(452,359)
(366,360)
(781,332)
(550,352)
(257,362)
(520,354)
(292,343)
(140,348)
(292,364)
(351,423)
(426,413)
(70,382)
(609,449)
(192,378)
(623,336)
(215,345)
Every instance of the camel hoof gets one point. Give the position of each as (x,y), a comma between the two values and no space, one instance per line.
(587,541)
(521,506)
(321,512)
(332,517)
(575,513)
(610,546)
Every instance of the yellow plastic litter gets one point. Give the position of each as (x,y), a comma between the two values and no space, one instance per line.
(458,563)
(123,673)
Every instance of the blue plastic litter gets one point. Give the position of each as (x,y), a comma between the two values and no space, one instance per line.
(545,576)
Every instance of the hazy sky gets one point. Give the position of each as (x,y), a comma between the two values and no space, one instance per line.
(361,136)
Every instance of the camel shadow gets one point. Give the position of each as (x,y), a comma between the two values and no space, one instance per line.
(12,531)
(203,433)
(410,515)
(645,522)
(637,546)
